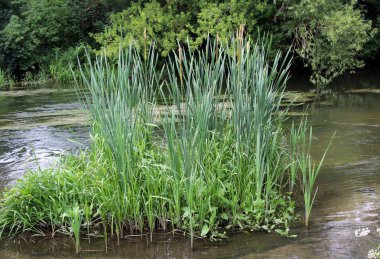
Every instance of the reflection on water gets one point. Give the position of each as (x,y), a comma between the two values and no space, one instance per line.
(34,127)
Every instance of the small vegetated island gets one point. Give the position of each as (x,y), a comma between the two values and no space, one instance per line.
(196,146)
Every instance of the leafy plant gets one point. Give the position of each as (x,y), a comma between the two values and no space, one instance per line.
(3,79)
(309,170)
(201,150)
(63,63)
(329,36)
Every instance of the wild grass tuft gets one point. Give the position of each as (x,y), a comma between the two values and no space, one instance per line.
(309,169)
(5,79)
(200,150)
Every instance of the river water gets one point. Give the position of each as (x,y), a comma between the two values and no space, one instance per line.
(38,125)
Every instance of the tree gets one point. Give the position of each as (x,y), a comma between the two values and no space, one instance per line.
(219,19)
(371,50)
(169,22)
(329,37)
(5,13)
(37,27)
(143,25)
(27,37)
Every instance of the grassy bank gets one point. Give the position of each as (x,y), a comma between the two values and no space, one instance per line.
(62,67)
(201,150)
(5,79)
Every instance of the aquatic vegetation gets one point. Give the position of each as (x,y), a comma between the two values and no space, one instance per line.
(168,155)
(297,148)
(75,216)
(35,78)
(309,169)
(300,144)
(5,79)
(63,63)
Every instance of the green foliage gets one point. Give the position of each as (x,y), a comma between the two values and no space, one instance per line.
(5,79)
(329,37)
(5,13)
(64,62)
(40,24)
(216,164)
(371,51)
(37,27)
(309,170)
(143,25)
(166,24)
(225,17)
(40,77)
(219,19)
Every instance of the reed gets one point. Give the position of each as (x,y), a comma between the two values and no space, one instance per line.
(298,148)
(309,170)
(200,151)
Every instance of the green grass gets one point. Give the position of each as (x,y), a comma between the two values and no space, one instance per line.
(167,154)
(309,169)
(3,80)
(40,77)
(62,66)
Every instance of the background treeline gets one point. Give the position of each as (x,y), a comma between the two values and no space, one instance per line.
(39,39)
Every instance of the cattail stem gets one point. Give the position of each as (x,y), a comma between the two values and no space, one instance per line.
(145,43)
(180,59)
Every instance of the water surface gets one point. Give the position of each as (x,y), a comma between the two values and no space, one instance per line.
(36,125)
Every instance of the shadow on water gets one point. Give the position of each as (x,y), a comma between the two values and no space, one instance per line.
(35,126)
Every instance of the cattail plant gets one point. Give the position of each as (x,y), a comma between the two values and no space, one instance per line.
(309,170)
(192,161)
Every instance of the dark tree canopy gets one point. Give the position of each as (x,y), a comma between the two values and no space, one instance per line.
(330,37)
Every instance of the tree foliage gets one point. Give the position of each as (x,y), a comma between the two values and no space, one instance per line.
(38,27)
(168,23)
(39,24)
(329,36)
(143,24)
